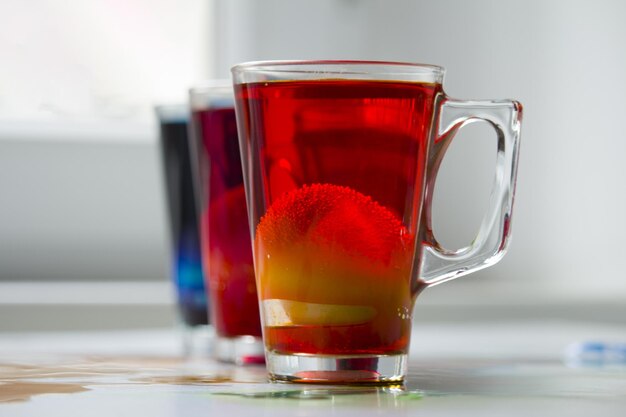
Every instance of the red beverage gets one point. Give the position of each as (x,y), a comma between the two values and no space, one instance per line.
(227,252)
(342,163)
(340,160)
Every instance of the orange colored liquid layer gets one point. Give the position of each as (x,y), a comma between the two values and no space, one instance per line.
(333,269)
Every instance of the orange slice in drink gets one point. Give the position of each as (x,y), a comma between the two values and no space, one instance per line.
(279,313)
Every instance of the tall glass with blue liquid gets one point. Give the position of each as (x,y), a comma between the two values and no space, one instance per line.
(186,260)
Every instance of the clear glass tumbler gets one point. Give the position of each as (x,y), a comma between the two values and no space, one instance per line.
(184,237)
(225,238)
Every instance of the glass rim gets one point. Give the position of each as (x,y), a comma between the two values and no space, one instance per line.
(338,69)
(172,112)
(210,86)
(212,93)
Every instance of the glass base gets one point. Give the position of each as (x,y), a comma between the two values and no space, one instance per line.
(330,369)
(197,340)
(241,350)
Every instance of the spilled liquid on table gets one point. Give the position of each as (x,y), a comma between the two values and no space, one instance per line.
(487,378)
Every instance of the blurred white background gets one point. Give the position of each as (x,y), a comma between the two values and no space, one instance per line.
(80,188)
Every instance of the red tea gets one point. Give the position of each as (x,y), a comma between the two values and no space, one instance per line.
(227,251)
(342,163)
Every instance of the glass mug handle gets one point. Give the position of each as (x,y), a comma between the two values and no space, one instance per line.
(439,264)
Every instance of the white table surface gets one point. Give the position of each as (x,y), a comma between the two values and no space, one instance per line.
(480,369)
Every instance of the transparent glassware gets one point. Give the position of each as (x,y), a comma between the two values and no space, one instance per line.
(225,239)
(185,259)
(339,162)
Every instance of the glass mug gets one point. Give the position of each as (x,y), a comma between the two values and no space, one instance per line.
(225,238)
(339,162)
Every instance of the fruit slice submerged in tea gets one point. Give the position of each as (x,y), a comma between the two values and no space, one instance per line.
(279,313)
(335,252)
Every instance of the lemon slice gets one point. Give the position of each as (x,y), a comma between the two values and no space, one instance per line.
(280,313)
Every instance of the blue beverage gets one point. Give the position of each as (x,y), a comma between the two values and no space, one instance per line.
(183,219)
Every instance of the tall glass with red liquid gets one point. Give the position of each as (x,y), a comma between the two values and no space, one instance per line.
(225,239)
(339,161)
